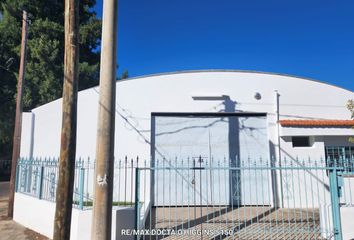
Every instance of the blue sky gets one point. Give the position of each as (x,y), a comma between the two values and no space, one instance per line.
(308,38)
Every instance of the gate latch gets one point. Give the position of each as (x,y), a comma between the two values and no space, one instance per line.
(340,182)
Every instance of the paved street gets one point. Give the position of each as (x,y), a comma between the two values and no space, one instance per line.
(9,229)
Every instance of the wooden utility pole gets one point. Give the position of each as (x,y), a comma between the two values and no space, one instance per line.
(103,182)
(64,194)
(18,118)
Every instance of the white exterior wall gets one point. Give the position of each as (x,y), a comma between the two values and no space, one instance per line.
(347,223)
(40,218)
(137,98)
(27,134)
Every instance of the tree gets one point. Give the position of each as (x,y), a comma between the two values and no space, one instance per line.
(350,106)
(125,75)
(44,71)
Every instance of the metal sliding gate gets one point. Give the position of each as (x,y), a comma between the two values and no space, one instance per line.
(255,200)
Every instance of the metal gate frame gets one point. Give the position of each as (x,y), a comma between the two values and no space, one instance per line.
(336,185)
(333,172)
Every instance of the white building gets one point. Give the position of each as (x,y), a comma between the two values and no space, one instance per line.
(240,116)
(143,102)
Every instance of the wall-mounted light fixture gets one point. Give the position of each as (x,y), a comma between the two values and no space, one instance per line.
(210,98)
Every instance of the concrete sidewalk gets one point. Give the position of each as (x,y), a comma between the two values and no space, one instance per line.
(10,230)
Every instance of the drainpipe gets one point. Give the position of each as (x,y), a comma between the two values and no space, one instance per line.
(277,129)
(278,150)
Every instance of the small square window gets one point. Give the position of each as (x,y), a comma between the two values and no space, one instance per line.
(301,142)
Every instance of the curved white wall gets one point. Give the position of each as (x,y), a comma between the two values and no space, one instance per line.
(138,97)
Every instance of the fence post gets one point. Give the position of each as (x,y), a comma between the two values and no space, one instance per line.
(17,177)
(81,190)
(40,182)
(333,175)
(137,203)
(25,176)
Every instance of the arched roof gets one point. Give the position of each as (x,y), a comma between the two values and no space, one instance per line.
(231,71)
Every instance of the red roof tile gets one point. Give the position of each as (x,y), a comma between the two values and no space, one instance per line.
(317,123)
